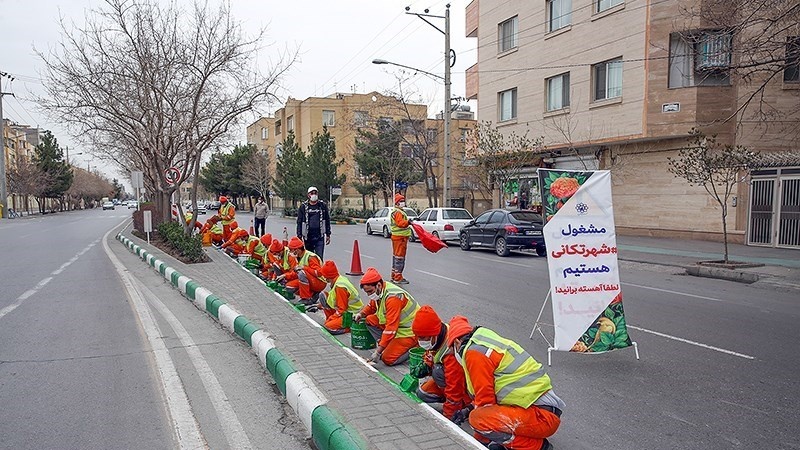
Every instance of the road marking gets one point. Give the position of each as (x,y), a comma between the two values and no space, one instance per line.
(185,426)
(502,261)
(233,429)
(687,341)
(363,256)
(676,292)
(745,407)
(43,282)
(443,277)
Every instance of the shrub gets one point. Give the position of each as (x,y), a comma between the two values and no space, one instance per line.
(190,247)
(360,213)
(290,211)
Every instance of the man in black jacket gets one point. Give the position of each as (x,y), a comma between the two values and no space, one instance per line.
(314,222)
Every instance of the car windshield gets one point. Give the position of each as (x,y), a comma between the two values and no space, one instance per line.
(525,216)
(410,212)
(456,214)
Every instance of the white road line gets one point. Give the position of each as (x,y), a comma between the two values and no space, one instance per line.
(443,277)
(42,283)
(687,341)
(675,292)
(229,421)
(186,429)
(363,256)
(502,261)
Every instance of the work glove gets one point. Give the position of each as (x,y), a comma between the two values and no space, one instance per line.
(461,415)
(376,355)
(357,317)
(420,371)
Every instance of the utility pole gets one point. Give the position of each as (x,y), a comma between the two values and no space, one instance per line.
(3,192)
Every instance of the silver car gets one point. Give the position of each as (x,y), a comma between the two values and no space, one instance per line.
(380,222)
(444,223)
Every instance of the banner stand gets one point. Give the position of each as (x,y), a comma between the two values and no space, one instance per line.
(536,326)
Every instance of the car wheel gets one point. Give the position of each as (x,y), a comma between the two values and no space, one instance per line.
(541,251)
(386,232)
(500,247)
(369,229)
(413,237)
(463,241)
(436,234)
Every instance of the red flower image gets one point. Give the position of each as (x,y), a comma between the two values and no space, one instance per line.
(564,187)
(617,299)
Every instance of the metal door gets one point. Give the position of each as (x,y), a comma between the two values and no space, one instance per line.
(762,198)
(789,213)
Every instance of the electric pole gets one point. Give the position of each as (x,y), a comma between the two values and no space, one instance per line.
(3,192)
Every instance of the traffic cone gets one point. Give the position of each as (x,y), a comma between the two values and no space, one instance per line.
(355,264)
(252,231)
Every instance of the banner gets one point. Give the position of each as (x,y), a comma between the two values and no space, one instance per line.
(582,259)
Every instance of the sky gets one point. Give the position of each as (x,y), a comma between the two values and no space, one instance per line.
(336,40)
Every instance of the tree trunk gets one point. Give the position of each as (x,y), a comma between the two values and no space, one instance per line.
(725,230)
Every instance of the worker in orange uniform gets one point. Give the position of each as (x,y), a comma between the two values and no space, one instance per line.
(256,250)
(237,239)
(187,216)
(342,297)
(213,227)
(309,282)
(227,214)
(446,383)
(401,233)
(389,315)
(281,263)
(514,406)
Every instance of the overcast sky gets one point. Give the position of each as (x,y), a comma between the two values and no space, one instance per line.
(337,40)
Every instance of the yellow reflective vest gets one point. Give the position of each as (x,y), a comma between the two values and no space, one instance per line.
(354,303)
(226,213)
(406,315)
(519,380)
(396,230)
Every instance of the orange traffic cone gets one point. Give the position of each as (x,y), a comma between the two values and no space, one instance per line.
(252,231)
(355,264)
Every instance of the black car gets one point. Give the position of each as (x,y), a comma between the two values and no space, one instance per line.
(504,231)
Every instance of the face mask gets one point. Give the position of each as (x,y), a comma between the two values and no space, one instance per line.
(402,204)
(314,197)
(373,297)
(457,354)
(427,345)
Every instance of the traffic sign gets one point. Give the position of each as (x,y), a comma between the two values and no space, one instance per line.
(172,175)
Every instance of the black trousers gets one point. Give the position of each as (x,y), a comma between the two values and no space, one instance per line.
(316,244)
(260,225)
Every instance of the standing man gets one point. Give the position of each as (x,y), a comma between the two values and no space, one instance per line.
(389,315)
(514,406)
(227,214)
(314,223)
(261,211)
(401,233)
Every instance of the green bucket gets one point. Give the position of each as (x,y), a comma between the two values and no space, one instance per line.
(347,319)
(409,384)
(300,307)
(273,285)
(415,357)
(360,337)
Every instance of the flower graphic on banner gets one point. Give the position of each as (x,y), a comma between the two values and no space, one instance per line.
(608,332)
(559,187)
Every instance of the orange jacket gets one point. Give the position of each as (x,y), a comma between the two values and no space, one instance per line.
(394,305)
(456,396)
(235,235)
(481,371)
(313,267)
(292,261)
(400,219)
(342,300)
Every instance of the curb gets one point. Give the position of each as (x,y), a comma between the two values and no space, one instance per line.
(723,274)
(327,428)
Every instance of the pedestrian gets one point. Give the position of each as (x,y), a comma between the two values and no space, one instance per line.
(260,212)
(446,383)
(341,298)
(309,282)
(314,223)
(401,233)
(227,214)
(514,406)
(388,315)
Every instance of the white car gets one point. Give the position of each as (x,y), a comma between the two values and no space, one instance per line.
(380,221)
(444,223)
(133,204)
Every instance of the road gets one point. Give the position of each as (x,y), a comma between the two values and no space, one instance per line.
(716,370)
(98,352)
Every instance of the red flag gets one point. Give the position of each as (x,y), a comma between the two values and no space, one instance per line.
(431,243)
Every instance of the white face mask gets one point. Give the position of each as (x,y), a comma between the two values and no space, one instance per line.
(402,204)
(457,354)
(314,197)
(373,297)
(427,345)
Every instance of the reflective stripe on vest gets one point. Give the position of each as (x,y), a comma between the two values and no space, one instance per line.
(444,349)
(216,229)
(354,303)
(224,211)
(396,230)
(306,255)
(406,315)
(285,259)
(259,249)
(519,379)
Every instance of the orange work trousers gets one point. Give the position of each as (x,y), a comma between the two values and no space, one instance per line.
(306,285)
(399,248)
(397,350)
(513,426)
(333,321)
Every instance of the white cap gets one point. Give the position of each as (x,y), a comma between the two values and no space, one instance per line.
(312,188)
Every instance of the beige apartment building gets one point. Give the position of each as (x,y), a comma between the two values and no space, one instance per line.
(618,84)
(20,142)
(343,114)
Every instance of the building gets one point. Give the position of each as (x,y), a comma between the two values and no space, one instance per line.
(343,114)
(20,142)
(618,84)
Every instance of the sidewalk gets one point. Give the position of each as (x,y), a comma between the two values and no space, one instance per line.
(383,416)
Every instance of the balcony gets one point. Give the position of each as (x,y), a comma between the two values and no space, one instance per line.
(472,19)
(471,83)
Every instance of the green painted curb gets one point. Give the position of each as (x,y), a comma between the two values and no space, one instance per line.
(212,305)
(162,268)
(330,433)
(244,329)
(279,367)
(191,288)
(175,275)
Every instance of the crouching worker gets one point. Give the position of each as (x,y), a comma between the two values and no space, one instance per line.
(258,253)
(214,229)
(514,406)
(341,298)
(237,240)
(309,282)
(446,383)
(280,265)
(389,315)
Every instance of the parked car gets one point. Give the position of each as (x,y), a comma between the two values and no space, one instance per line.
(380,221)
(108,205)
(214,206)
(504,231)
(133,204)
(444,223)
(201,208)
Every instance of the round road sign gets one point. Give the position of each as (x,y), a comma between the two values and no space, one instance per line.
(172,175)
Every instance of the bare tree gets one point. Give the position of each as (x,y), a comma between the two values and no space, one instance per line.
(256,174)
(151,86)
(27,179)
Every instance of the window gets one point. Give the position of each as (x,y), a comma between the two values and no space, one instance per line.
(507,35)
(264,133)
(290,123)
(277,127)
(431,134)
(498,217)
(328,118)
(483,218)
(360,118)
(463,134)
(559,14)
(507,101)
(603,5)
(408,126)
(558,92)
(607,79)
(424,216)
(791,73)
(699,59)
(385,123)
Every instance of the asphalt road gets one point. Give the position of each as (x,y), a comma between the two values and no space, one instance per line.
(717,369)
(100,356)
